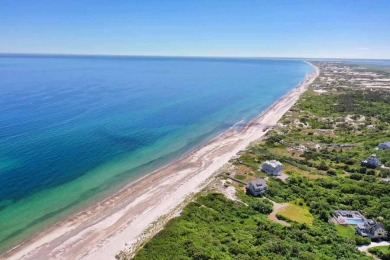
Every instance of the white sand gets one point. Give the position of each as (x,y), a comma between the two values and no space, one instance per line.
(129,216)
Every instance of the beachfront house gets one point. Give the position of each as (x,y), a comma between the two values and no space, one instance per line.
(384,146)
(272,167)
(371,228)
(371,162)
(257,187)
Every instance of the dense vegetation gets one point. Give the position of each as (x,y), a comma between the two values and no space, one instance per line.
(348,101)
(213,227)
(325,194)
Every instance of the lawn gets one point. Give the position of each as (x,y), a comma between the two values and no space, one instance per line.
(296,213)
(345,231)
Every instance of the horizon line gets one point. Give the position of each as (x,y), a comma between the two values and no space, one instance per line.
(176,56)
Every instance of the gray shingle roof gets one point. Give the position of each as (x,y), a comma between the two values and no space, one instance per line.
(259,182)
(385,144)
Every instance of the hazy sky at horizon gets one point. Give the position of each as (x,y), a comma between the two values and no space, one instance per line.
(334,28)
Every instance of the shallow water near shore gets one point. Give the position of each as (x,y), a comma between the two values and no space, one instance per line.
(73,129)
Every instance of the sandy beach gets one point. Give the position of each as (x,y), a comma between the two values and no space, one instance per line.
(135,213)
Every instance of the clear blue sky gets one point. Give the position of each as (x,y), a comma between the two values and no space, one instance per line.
(290,28)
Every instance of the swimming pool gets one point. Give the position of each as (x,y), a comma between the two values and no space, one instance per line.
(354,221)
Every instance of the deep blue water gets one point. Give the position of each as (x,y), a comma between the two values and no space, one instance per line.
(74,127)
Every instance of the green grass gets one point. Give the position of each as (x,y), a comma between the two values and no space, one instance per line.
(298,214)
(345,231)
(383,252)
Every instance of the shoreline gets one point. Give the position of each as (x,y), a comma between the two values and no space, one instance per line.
(120,221)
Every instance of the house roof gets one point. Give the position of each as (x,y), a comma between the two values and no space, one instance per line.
(385,144)
(258,182)
(373,159)
(378,226)
(371,225)
(273,163)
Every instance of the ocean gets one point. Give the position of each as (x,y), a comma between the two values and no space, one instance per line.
(73,129)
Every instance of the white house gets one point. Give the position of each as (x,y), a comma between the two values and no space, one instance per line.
(272,167)
(257,187)
(384,146)
(371,228)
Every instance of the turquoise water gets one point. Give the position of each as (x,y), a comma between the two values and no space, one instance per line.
(73,129)
(354,221)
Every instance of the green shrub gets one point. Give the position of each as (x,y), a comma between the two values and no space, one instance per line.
(262,206)
(362,240)
(322,166)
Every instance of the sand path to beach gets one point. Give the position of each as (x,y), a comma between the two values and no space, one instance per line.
(135,213)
